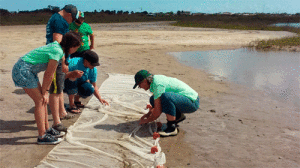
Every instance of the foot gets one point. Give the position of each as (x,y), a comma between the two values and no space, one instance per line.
(79,104)
(49,140)
(60,127)
(73,109)
(67,116)
(55,133)
(169,131)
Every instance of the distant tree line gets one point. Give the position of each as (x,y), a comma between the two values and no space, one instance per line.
(41,16)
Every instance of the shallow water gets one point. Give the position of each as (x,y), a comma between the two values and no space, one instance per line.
(275,73)
(297,25)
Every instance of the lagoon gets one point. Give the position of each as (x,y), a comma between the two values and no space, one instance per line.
(297,25)
(275,73)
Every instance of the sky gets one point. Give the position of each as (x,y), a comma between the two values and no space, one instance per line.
(153,6)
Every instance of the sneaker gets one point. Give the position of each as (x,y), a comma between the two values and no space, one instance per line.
(49,140)
(169,131)
(55,133)
(60,127)
(180,118)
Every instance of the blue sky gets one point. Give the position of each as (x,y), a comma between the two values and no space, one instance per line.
(203,6)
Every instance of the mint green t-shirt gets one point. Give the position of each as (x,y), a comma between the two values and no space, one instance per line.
(84,30)
(43,54)
(162,84)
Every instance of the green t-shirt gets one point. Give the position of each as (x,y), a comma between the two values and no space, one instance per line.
(84,30)
(162,84)
(43,54)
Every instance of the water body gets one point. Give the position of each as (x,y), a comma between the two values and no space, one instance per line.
(297,25)
(276,73)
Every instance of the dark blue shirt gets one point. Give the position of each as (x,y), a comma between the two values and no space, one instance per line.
(56,24)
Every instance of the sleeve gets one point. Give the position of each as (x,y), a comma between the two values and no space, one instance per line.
(158,91)
(58,26)
(55,54)
(93,75)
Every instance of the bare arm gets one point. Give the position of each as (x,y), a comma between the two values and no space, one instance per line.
(98,96)
(154,113)
(92,37)
(57,37)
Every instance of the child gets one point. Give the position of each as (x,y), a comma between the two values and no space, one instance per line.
(24,75)
(81,79)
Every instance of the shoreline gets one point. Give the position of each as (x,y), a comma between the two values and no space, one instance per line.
(131,50)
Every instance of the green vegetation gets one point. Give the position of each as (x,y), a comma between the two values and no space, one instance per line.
(224,21)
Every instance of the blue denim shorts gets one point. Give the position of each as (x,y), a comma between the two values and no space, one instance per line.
(25,74)
(84,90)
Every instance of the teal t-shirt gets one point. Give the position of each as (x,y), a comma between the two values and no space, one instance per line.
(162,84)
(84,30)
(77,64)
(44,54)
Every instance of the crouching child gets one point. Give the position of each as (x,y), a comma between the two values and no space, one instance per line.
(81,80)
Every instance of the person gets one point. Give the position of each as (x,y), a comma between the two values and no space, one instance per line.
(81,79)
(170,96)
(24,74)
(86,33)
(57,26)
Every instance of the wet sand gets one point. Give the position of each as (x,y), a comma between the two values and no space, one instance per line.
(234,127)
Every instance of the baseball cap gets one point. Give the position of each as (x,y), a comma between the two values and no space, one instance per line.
(73,10)
(81,14)
(140,76)
(91,57)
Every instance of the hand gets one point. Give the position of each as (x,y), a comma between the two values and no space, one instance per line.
(78,73)
(149,107)
(143,121)
(104,102)
(45,98)
(65,68)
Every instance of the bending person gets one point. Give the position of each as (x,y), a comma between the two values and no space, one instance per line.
(170,96)
(24,75)
(81,79)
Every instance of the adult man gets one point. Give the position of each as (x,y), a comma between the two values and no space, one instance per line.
(170,96)
(57,26)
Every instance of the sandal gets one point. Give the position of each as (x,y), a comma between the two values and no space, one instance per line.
(79,104)
(73,110)
(67,116)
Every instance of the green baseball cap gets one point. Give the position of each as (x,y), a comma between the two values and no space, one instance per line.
(140,76)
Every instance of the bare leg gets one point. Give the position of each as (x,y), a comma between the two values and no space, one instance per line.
(39,111)
(71,100)
(62,110)
(170,117)
(77,97)
(54,107)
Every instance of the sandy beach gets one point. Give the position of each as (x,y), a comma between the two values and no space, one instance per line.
(234,126)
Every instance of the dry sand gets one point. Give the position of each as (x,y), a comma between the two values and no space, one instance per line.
(234,127)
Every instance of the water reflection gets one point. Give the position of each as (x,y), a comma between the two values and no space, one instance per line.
(276,73)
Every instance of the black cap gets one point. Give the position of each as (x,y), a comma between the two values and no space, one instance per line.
(91,57)
(73,10)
